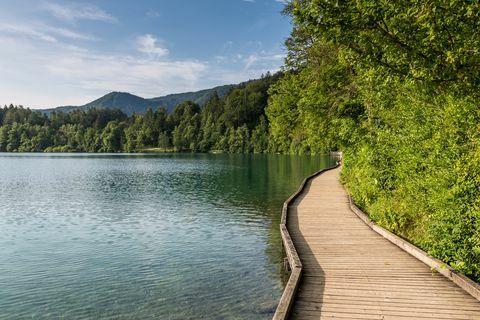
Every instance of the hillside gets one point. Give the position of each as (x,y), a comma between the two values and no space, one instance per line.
(199,97)
(129,103)
(233,123)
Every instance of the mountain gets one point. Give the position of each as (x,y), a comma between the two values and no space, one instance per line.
(129,103)
(199,97)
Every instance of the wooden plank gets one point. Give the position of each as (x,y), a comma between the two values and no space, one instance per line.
(465,283)
(351,271)
(286,301)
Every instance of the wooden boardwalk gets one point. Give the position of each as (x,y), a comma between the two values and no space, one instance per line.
(351,272)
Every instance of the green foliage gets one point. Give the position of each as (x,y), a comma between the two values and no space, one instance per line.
(225,124)
(308,108)
(112,137)
(394,85)
(434,41)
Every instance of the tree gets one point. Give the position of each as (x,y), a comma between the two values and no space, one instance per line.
(164,141)
(259,140)
(14,137)
(4,133)
(112,137)
(433,41)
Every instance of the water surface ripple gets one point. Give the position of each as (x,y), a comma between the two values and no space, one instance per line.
(174,236)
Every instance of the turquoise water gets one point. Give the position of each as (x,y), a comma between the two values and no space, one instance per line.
(174,236)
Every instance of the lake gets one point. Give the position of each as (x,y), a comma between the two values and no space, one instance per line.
(170,236)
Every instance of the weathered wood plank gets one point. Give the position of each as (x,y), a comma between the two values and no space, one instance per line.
(286,301)
(349,269)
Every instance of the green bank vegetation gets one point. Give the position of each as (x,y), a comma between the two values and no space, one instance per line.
(393,84)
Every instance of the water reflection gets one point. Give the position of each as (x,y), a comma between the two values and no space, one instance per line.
(174,236)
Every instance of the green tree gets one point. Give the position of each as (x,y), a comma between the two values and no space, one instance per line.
(14,137)
(4,133)
(112,137)
(259,139)
(434,41)
(164,141)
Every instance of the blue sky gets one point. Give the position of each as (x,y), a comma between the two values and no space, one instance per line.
(71,52)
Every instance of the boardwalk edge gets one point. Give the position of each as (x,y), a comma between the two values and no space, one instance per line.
(459,279)
(286,301)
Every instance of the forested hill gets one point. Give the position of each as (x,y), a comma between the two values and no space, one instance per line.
(130,104)
(234,122)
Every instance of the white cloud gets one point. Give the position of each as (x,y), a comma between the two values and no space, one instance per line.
(42,32)
(264,59)
(60,74)
(239,67)
(25,31)
(104,73)
(74,13)
(148,44)
(49,74)
(46,64)
(48,59)
(67,33)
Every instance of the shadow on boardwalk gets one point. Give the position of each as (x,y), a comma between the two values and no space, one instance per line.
(304,250)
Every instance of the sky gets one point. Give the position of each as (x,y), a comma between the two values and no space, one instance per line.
(58,52)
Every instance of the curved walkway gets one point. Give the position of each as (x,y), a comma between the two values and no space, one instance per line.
(351,272)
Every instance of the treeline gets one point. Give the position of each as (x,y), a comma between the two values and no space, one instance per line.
(395,85)
(235,123)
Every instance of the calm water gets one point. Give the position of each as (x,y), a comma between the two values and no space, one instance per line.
(180,236)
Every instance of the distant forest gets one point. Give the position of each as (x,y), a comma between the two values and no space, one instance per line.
(235,123)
